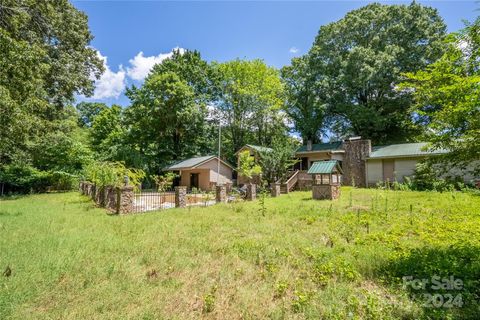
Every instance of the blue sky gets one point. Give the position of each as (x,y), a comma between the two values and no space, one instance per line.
(133,35)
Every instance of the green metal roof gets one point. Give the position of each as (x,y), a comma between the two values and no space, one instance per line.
(335,145)
(194,162)
(403,150)
(319,167)
(189,163)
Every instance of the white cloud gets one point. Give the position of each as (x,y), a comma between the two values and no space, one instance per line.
(110,84)
(142,65)
(293,50)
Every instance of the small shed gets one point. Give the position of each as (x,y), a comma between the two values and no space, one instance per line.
(327,176)
(202,172)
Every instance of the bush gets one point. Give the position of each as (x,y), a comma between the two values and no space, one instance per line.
(16,178)
(426,178)
(105,173)
(27,179)
(60,180)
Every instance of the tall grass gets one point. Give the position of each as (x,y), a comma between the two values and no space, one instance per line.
(302,259)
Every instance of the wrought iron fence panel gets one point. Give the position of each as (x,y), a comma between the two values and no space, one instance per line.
(151,200)
(197,197)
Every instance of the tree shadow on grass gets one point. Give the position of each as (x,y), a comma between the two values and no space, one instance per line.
(9,197)
(430,272)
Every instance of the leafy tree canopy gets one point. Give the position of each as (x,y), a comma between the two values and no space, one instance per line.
(45,60)
(250,104)
(447,98)
(358,62)
(303,103)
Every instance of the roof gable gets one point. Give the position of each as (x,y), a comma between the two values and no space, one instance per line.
(194,162)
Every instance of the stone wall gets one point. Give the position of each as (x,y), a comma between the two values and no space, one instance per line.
(221,194)
(325,192)
(251,193)
(354,162)
(275,189)
(118,200)
(305,181)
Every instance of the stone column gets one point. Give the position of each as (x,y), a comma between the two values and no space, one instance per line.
(221,193)
(354,164)
(251,192)
(275,189)
(180,197)
(125,199)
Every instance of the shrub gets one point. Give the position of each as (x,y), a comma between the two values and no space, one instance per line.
(106,173)
(60,180)
(23,179)
(426,178)
(17,178)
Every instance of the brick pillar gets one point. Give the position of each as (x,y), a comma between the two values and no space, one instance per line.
(180,197)
(275,189)
(221,194)
(251,192)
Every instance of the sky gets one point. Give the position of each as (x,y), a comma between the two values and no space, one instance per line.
(131,36)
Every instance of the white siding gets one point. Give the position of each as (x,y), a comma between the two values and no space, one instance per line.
(404,168)
(225,171)
(374,172)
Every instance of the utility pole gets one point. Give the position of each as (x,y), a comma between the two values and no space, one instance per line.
(219,145)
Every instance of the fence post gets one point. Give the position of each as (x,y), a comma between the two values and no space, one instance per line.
(125,199)
(221,194)
(251,192)
(180,197)
(275,189)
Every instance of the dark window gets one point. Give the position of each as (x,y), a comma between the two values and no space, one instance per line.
(194,180)
(304,163)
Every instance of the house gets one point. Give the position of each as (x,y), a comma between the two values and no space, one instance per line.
(203,172)
(350,154)
(255,153)
(362,164)
(310,153)
(395,162)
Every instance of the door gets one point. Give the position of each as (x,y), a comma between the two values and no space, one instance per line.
(388,169)
(304,164)
(194,180)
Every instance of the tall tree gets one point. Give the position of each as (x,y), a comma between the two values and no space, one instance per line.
(447,98)
(358,62)
(87,111)
(250,102)
(304,104)
(164,121)
(45,60)
(107,133)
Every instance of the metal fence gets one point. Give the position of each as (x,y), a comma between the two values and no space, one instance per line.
(150,200)
(200,198)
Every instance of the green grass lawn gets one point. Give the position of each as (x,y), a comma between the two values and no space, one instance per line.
(302,259)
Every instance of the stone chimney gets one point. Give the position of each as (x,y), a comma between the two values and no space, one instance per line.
(354,161)
(309,145)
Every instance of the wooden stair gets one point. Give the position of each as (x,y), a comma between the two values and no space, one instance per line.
(291,182)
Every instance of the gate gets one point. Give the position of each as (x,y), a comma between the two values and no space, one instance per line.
(150,200)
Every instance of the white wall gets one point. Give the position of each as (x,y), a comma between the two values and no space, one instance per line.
(404,168)
(374,171)
(225,171)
